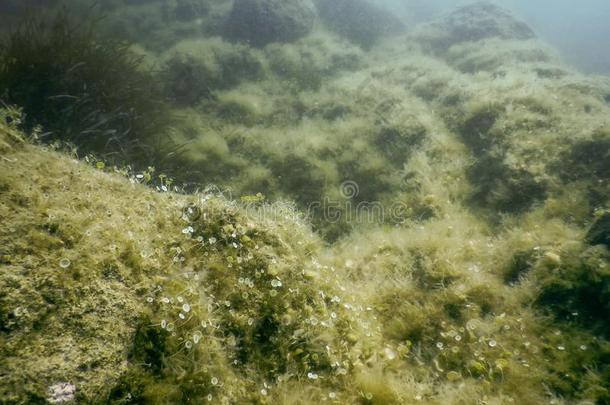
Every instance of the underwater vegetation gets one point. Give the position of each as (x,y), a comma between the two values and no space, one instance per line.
(261,22)
(475,22)
(479,275)
(359,21)
(194,69)
(80,87)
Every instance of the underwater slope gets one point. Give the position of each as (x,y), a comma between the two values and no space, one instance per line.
(489,285)
(114,292)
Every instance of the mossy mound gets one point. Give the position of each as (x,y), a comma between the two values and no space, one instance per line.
(173,300)
(307,64)
(261,22)
(158,24)
(472,23)
(359,21)
(194,69)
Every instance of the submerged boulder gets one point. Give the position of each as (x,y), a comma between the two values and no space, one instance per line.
(261,22)
(476,22)
(193,69)
(359,21)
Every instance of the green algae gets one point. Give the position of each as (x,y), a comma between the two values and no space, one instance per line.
(490,285)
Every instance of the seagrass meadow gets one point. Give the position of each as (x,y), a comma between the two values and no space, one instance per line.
(254,202)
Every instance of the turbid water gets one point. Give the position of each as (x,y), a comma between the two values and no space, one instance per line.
(296,201)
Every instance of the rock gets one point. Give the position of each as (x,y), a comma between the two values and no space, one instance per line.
(476,22)
(193,69)
(188,79)
(261,22)
(359,21)
(599,234)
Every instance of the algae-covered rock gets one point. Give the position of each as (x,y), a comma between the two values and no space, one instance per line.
(475,22)
(166,299)
(359,21)
(157,24)
(193,69)
(260,22)
(307,63)
(495,55)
